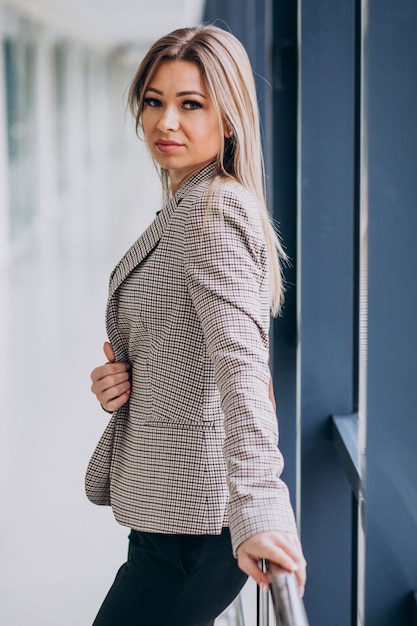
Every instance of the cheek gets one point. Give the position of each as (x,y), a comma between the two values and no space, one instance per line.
(147,122)
(147,135)
(211,136)
(216,140)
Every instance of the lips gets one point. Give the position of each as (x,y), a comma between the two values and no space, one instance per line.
(167,145)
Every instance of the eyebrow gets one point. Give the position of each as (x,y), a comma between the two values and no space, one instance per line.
(179,94)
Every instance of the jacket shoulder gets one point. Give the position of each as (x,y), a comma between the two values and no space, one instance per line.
(224,199)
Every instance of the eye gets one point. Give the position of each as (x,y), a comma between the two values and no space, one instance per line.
(152,102)
(191,105)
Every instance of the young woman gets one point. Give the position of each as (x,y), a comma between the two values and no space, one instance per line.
(189,461)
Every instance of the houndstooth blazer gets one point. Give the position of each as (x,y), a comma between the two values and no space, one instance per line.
(196,447)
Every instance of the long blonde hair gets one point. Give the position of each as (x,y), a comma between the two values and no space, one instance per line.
(228,76)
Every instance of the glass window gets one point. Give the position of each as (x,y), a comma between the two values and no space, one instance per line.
(19,47)
(60,66)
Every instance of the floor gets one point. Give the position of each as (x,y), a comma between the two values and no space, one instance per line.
(59,553)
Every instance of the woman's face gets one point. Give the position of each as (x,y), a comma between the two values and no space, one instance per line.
(179,121)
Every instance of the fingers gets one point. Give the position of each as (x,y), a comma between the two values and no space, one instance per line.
(284,549)
(293,547)
(111,384)
(116,402)
(251,567)
(291,544)
(300,575)
(108,351)
(108,375)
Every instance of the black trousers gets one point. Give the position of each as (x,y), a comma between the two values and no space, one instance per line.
(173,580)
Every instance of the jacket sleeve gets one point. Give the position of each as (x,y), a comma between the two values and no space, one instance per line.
(226,265)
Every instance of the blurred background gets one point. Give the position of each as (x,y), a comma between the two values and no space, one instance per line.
(337,95)
(76,189)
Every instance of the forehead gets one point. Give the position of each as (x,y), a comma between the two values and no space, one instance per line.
(179,71)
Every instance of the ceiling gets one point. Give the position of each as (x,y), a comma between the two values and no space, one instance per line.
(112,23)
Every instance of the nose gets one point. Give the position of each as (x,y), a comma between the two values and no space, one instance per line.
(169,119)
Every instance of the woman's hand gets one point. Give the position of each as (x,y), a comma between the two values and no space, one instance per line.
(284,549)
(111,382)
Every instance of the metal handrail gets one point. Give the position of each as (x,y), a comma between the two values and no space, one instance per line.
(288,604)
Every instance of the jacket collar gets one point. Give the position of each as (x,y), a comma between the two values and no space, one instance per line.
(204,174)
(148,240)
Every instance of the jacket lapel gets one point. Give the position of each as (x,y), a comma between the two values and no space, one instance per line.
(139,251)
(148,240)
(142,247)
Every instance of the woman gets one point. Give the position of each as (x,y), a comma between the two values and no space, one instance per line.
(189,460)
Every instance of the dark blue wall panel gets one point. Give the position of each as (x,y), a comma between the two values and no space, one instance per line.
(315,354)
(326,291)
(283,203)
(391,477)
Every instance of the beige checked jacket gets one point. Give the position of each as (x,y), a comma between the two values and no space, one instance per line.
(196,447)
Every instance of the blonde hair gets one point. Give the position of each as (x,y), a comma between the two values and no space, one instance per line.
(228,76)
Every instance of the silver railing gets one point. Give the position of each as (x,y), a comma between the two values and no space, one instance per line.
(281,607)
(288,605)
